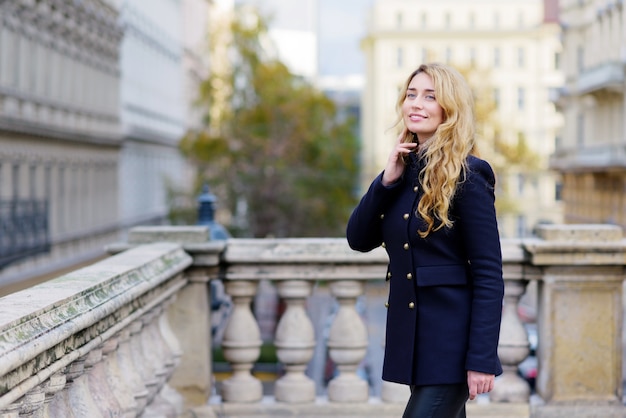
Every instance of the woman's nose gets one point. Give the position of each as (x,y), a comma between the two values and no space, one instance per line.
(417,103)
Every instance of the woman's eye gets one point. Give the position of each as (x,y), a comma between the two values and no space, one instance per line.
(430,97)
(411,95)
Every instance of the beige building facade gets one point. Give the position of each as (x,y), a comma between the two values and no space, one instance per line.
(513,52)
(591,153)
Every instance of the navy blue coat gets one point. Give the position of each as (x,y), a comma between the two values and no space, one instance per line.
(445,291)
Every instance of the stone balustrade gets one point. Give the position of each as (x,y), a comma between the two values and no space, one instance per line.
(131,335)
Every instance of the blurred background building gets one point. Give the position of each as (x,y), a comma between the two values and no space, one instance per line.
(591,150)
(509,51)
(94,97)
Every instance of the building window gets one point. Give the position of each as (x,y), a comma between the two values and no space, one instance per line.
(521,184)
(472,21)
(557,60)
(580,58)
(496,20)
(423,20)
(448,20)
(521,92)
(15,180)
(448,55)
(399,20)
(32,184)
(558,191)
(521,225)
(424,55)
(496,57)
(496,97)
(521,57)
(472,57)
(520,20)
(399,57)
(580,130)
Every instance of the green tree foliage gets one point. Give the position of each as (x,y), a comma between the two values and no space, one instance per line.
(280,151)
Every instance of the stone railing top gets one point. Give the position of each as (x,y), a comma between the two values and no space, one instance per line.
(512,250)
(580,233)
(298,250)
(577,245)
(195,240)
(36,319)
(179,234)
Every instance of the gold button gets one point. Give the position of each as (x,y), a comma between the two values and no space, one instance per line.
(386,304)
(409,276)
(415,189)
(411,305)
(405,216)
(406,246)
(382,216)
(389,275)
(384,245)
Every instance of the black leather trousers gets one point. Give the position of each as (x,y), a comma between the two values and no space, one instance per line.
(437,401)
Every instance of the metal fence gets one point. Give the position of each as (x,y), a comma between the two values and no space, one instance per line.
(23,229)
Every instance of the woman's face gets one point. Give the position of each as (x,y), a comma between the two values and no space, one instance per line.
(420,110)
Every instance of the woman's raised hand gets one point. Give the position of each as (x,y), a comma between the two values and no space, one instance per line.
(395,163)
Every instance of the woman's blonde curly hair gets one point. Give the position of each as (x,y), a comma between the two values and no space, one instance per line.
(446,152)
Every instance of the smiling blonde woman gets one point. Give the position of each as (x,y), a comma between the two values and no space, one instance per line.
(432,209)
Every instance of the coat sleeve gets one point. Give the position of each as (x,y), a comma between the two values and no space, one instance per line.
(477,219)
(364,232)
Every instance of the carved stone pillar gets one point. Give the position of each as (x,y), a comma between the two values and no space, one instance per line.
(242,345)
(295,342)
(513,347)
(580,317)
(347,344)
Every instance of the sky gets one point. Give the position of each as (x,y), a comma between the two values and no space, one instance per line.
(341,26)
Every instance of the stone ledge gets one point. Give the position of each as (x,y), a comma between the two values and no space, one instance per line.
(580,233)
(321,408)
(578,411)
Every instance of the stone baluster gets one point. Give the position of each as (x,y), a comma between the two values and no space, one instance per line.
(120,387)
(59,405)
(167,401)
(141,358)
(347,344)
(11,411)
(155,348)
(193,373)
(513,347)
(33,402)
(242,345)
(52,386)
(75,399)
(131,371)
(295,342)
(169,339)
(98,384)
